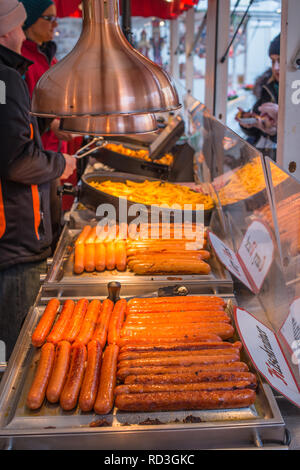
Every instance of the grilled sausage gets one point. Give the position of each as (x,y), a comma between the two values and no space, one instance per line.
(197,377)
(194,369)
(90,382)
(45,324)
(116,321)
(223,330)
(69,395)
(192,400)
(59,329)
(180,347)
(108,377)
(79,258)
(89,323)
(76,320)
(139,301)
(59,372)
(38,387)
(100,256)
(180,360)
(180,338)
(128,356)
(103,320)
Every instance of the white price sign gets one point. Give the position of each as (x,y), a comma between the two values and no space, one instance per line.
(290,331)
(256,253)
(266,354)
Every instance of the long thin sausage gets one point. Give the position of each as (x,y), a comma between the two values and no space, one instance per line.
(110,256)
(89,323)
(76,320)
(121,255)
(90,382)
(194,369)
(223,330)
(180,338)
(208,386)
(139,301)
(58,331)
(197,377)
(180,347)
(100,256)
(187,317)
(38,387)
(195,400)
(70,392)
(44,326)
(127,356)
(180,360)
(59,372)
(108,377)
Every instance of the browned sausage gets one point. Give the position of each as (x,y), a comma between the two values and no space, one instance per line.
(59,372)
(194,369)
(223,330)
(116,321)
(180,360)
(71,389)
(208,386)
(45,323)
(193,400)
(180,347)
(76,320)
(90,382)
(108,377)
(89,323)
(180,338)
(103,320)
(58,331)
(197,377)
(139,301)
(129,356)
(38,388)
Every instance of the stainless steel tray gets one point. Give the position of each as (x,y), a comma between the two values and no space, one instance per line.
(260,425)
(61,270)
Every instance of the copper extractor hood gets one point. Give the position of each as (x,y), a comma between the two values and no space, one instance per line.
(103,74)
(110,125)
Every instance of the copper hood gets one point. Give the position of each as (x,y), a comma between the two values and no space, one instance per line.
(103,75)
(110,125)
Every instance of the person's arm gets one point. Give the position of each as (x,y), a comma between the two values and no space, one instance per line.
(21,159)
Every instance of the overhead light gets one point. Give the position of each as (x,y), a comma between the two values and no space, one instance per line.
(103,75)
(110,125)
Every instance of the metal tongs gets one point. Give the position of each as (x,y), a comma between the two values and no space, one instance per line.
(90,148)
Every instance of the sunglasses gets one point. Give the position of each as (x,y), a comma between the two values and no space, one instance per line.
(50,18)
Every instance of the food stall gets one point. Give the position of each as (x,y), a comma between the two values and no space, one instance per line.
(138,341)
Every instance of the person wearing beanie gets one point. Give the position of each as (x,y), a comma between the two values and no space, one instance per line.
(26,175)
(263,134)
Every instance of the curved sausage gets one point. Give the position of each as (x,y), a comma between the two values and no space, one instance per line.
(44,326)
(59,372)
(103,320)
(69,395)
(76,320)
(58,331)
(38,387)
(116,321)
(90,382)
(108,377)
(89,323)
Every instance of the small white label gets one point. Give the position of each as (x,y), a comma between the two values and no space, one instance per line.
(229,259)
(265,352)
(256,253)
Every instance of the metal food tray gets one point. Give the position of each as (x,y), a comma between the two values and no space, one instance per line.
(61,270)
(258,426)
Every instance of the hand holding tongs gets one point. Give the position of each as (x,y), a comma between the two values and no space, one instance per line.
(90,148)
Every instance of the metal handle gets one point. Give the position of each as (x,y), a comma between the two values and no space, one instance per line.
(90,148)
(114,289)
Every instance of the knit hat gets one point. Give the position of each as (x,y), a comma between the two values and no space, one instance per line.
(12,14)
(274,48)
(34,10)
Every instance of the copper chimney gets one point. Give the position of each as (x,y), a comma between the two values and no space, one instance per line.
(103,75)
(110,125)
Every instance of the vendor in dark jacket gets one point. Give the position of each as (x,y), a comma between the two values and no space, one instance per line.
(263,134)
(26,173)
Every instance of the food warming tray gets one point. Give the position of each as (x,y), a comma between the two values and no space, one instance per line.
(259,426)
(61,271)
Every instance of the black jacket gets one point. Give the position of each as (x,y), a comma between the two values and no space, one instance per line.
(26,171)
(268,94)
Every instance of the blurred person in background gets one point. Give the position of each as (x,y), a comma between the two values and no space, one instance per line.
(260,124)
(27,172)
